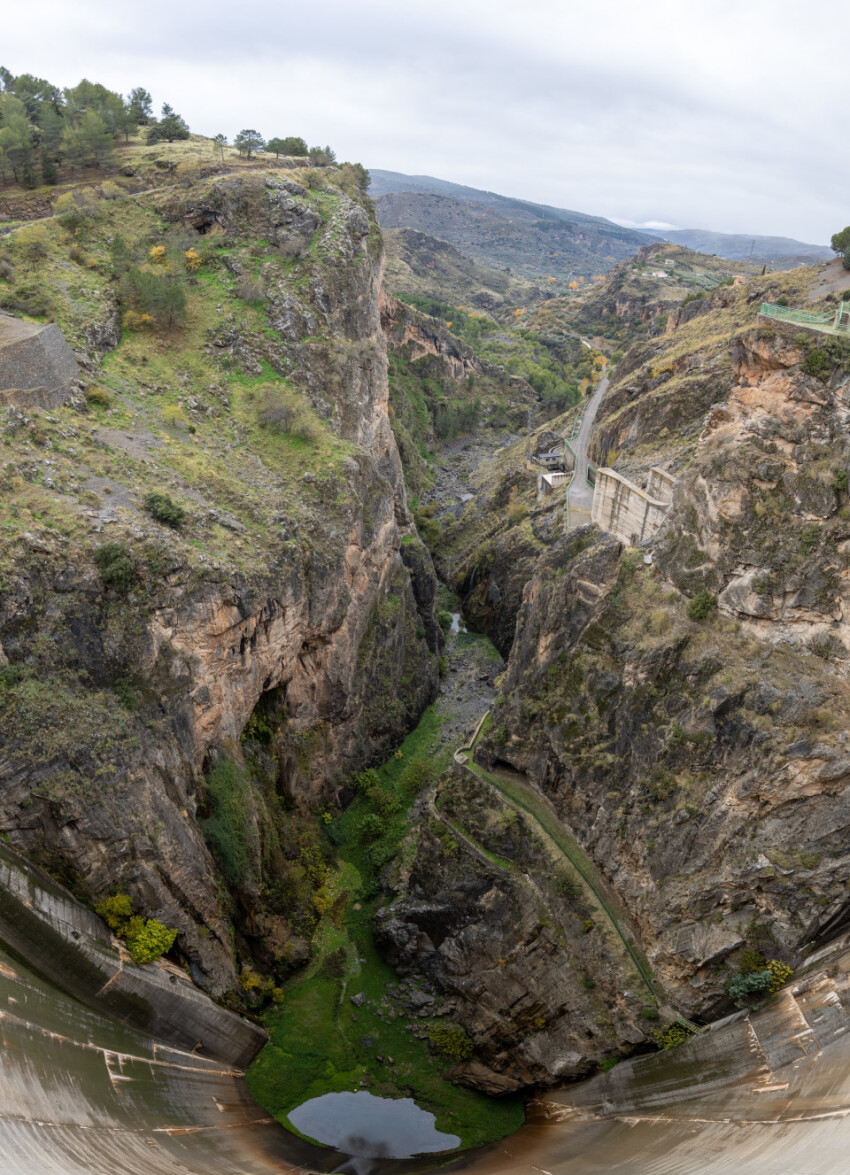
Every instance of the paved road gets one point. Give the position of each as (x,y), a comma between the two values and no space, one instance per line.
(581,494)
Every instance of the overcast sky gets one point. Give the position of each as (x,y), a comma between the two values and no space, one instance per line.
(721,115)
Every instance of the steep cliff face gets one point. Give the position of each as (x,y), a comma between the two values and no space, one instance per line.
(704,771)
(761,515)
(522,956)
(296,578)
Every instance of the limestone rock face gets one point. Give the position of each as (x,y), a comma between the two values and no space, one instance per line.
(760,517)
(332,623)
(703,771)
(520,963)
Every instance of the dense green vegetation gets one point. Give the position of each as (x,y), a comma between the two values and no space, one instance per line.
(42,126)
(320,1041)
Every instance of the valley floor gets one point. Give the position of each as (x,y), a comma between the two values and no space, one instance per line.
(348,1022)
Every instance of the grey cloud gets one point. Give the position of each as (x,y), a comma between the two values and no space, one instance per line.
(721,115)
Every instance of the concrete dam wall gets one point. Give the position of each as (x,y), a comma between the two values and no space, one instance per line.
(83,1092)
(625,510)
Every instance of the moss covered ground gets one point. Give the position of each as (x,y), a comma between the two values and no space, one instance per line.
(321,1042)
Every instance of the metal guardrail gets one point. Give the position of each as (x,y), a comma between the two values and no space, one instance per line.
(826,321)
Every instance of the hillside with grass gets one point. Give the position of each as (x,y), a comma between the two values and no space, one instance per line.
(215,518)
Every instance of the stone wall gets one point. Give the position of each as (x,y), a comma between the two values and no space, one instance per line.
(37,367)
(625,510)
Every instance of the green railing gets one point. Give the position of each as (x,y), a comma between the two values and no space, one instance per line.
(591,474)
(832,322)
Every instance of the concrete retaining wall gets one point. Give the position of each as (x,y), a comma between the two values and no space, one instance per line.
(660,485)
(625,510)
(37,367)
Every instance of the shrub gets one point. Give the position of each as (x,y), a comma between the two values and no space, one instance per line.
(32,242)
(827,646)
(109,190)
(123,690)
(147,939)
(116,567)
(173,415)
(12,675)
(158,255)
(378,855)
(751,960)
(249,289)
(314,865)
(749,988)
(371,826)
(322,900)
(564,884)
(277,414)
(75,210)
(194,260)
(701,606)
(99,396)
(164,510)
(839,480)
(158,294)
(116,911)
(444,619)
(284,412)
(29,297)
(7,273)
(673,1035)
(450,1040)
(816,363)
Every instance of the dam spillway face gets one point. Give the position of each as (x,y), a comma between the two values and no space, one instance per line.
(87,1091)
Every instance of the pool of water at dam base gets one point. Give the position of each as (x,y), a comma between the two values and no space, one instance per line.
(365,1126)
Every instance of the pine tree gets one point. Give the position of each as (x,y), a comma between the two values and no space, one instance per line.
(249,141)
(49,170)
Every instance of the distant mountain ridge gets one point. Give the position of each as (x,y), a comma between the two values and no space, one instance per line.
(385,183)
(504,231)
(736,246)
(536,242)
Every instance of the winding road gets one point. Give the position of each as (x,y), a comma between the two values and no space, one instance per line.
(580,493)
